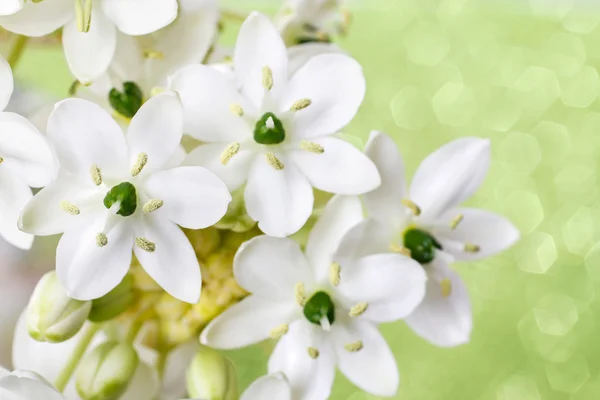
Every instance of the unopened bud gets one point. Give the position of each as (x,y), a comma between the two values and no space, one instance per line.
(52,316)
(114,302)
(106,371)
(212,376)
(236,219)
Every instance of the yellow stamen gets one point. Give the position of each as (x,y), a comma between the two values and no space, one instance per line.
(1,160)
(154,54)
(446,287)
(274,161)
(354,346)
(358,309)
(229,152)
(456,220)
(101,240)
(313,353)
(70,208)
(300,294)
(346,21)
(279,331)
(145,244)
(400,250)
(83,15)
(312,147)
(334,274)
(267,78)
(140,163)
(412,206)
(152,205)
(96,175)
(237,110)
(300,105)
(472,248)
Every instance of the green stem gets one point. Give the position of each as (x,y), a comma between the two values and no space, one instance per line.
(16,50)
(136,325)
(84,342)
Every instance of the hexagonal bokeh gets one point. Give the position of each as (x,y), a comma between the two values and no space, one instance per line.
(536,252)
(455,104)
(426,44)
(555,314)
(518,387)
(568,376)
(520,153)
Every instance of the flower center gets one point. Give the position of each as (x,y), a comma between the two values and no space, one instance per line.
(318,307)
(126,102)
(125,196)
(421,244)
(269,130)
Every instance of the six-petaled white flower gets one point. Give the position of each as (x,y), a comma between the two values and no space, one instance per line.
(274,133)
(115,193)
(427,224)
(25,160)
(22,384)
(91,27)
(324,305)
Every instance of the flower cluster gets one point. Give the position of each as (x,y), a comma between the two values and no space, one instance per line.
(163,244)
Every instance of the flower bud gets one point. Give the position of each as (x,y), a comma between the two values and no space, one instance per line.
(52,316)
(236,218)
(212,376)
(114,302)
(106,371)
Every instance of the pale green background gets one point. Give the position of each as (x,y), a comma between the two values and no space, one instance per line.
(524,74)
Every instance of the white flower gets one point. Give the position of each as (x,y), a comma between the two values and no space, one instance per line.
(25,160)
(91,27)
(307,21)
(115,193)
(23,385)
(427,224)
(324,305)
(9,7)
(275,133)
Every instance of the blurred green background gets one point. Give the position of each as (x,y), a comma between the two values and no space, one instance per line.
(524,74)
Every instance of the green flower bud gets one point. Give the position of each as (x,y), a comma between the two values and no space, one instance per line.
(105,372)
(114,302)
(211,376)
(52,316)
(127,102)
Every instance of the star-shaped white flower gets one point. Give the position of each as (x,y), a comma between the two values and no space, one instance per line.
(115,193)
(427,224)
(275,133)
(22,384)
(25,160)
(324,305)
(90,27)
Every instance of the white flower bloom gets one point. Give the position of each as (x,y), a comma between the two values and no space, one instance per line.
(22,385)
(275,133)
(115,193)
(25,160)
(324,305)
(307,21)
(427,224)
(91,27)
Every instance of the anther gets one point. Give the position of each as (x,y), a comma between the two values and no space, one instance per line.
(472,248)
(237,110)
(300,105)
(1,160)
(456,220)
(101,240)
(70,208)
(446,287)
(154,54)
(274,161)
(145,244)
(83,15)
(334,274)
(140,163)
(229,152)
(267,78)
(152,205)
(312,147)
(279,331)
(313,353)
(412,207)
(354,346)
(358,309)
(400,250)
(96,175)
(300,294)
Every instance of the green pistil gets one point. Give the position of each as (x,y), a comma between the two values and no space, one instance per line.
(127,102)
(319,306)
(124,194)
(269,130)
(421,244)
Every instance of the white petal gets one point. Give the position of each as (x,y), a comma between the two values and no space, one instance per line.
(85,135)
(156,130)
(88,271)
(23,388)
(273,386)
(127,65)
(140,17)
(248,322)
(385,202)
(173,263)
(341,169)
(44,215)
(443,321)
(365,238)
(311,379)
(299,55)
(144,384)
(259,45)
(6,82)
(25,151)
(14,194)
(39,19)
(391,284)
(9,7)
(207,96)
(178,360)
(335,84)
(89,53)
(373,368)
(339,215)
(450,175)
(193,197)
(270,267)
(234,173)
(280,200)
